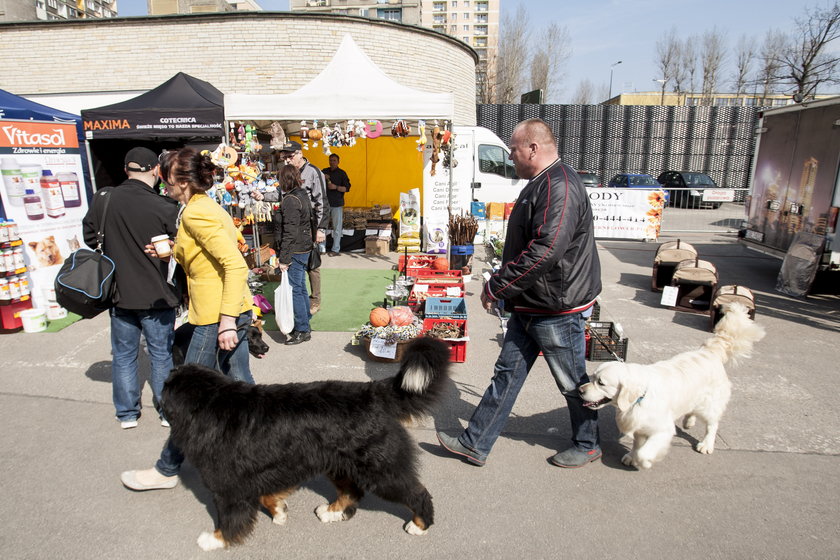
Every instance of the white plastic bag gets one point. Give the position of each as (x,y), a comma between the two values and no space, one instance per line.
(284,312)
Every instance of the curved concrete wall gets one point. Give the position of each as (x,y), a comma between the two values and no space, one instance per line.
(254,52)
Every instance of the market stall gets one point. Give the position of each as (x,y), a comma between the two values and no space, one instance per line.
(350,109)
(182,111)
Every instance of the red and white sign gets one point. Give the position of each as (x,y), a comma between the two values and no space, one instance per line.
(626,213)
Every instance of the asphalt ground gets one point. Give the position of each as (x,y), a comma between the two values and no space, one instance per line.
(770,490)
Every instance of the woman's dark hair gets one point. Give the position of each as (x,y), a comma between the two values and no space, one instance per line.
(187,165)
(289,178)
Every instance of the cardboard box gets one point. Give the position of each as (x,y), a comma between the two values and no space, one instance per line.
(377,246)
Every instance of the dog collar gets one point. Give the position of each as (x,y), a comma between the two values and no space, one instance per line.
(640,399)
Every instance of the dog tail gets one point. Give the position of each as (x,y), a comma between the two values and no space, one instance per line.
(424,370)
(735,334)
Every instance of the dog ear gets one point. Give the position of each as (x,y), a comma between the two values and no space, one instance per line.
(629,391)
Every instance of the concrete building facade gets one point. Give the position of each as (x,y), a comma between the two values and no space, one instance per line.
(55,10)
(285,52)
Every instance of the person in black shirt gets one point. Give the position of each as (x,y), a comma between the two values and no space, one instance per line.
(338,183)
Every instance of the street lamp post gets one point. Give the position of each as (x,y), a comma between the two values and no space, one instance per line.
(662,82)
(613,65)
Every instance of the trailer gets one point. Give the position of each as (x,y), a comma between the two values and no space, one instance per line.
(793,203)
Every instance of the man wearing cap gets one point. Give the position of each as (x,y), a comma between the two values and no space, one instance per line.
(316,186)
(146,303)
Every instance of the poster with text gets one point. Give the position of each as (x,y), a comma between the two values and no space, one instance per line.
(626,213)
(42,191)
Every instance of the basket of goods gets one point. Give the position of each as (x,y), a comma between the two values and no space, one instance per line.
(392,326)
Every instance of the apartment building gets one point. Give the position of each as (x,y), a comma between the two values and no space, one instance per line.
(164,7)
(475,22)
(51,10)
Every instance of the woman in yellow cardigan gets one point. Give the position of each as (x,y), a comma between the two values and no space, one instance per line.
(217,282)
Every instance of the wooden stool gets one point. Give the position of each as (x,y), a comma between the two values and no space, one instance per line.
(696,282)
(730,294)
(668,255)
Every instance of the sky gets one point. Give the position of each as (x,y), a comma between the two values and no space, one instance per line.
(604,32)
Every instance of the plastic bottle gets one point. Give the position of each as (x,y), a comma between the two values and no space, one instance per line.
(14,234)
(9,260)
(13,179)
(33,206)
(4,232)
(31,177)
(2,265)
(4,290)
(69,182)
(18,258)
(14,288)
(51,191)
(23,282)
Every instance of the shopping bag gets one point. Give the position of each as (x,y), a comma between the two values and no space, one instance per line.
(284,312)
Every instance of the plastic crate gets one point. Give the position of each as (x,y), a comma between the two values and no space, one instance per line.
(453,308)
(602,342)
(457,347)
(429,276)
(416,264)
(417,297)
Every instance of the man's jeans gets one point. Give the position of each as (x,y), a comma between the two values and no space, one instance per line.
(204,350)
(300,297)
(158,327)
(562,341)
(337,221)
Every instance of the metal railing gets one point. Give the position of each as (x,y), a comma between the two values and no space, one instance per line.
(686,213)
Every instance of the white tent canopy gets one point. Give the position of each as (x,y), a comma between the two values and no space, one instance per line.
(351,86)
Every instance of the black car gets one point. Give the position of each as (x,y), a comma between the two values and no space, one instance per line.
(689,187)
(589,179)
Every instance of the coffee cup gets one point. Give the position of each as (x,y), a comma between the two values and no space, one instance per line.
(161,243)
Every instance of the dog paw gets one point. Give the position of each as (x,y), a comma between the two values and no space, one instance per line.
(705,448)
(627,460)
(644,464)
(327,516)
(209,541)
(412,529)
(689,421)
(280,518)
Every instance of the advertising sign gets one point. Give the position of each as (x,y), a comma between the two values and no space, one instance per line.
(626,213)
(42,191)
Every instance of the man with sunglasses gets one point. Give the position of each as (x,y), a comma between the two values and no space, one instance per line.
(316,185)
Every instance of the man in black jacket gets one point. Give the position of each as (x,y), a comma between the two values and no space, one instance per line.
(146,302)
(548,280)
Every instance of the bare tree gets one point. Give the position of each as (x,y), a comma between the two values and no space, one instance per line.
(686,66)
(712,56)
(745,53)
(804,62)
(667,57)
(512,56)
(770,54)
(551,51)
(584,94)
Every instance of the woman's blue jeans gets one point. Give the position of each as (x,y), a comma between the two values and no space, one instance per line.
(562,341)
(204,350)
(300,297)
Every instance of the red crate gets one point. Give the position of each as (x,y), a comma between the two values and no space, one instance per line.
(416,264)
(429,276)
(416,298)
(457,348)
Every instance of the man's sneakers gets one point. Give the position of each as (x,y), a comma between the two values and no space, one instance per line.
(296,337)
(149,479)
(573,457)
(454,446)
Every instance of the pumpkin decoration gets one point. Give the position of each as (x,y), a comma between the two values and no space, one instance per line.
(401,316)
(440,263)
(379,317)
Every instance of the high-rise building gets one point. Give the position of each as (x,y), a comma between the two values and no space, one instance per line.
(475,22)
(48,10)
(164,7)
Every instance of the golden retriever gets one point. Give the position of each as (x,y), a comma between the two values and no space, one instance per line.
(651,398)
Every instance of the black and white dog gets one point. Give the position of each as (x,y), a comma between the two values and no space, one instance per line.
(255,444)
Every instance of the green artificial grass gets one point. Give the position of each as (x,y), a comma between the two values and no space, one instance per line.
(347,296)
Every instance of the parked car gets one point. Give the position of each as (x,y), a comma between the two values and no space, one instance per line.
(690,185)
(589,179)
(635,181)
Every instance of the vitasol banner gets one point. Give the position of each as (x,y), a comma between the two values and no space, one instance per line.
(42,191)
(626,213)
